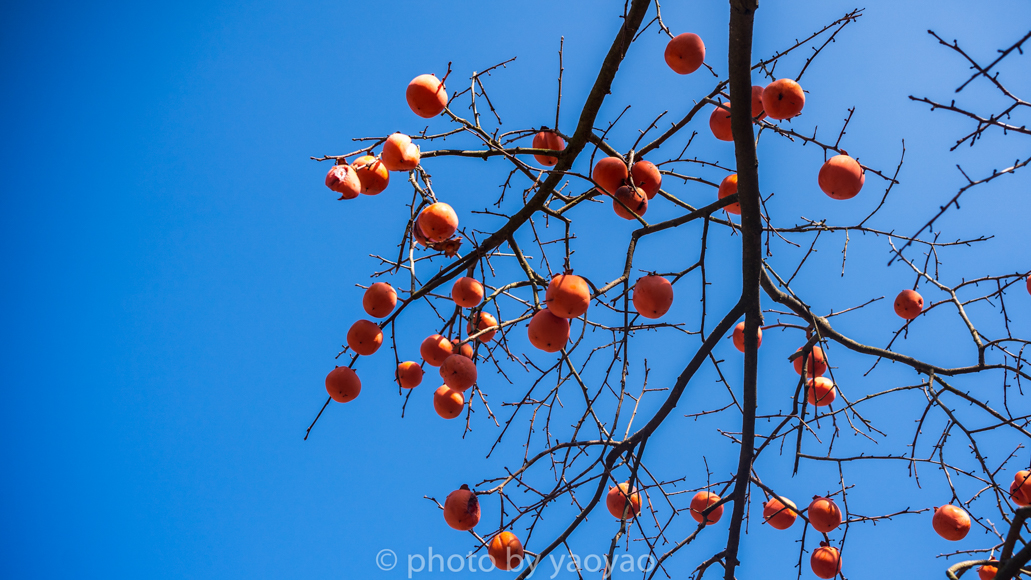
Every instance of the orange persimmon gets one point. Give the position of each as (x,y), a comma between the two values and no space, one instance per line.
(343,384)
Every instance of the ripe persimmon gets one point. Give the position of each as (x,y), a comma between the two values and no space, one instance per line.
(568,296)
(399,153)
(434,349)
(483,320)
(701,502)
(409,374)
(729,187)
(685,53)
(653,296)
(548,140)
(364,337)
(909,304)
(438,222)
(417,235)
(1020,489)
(609,173)
(783,99)
(646,176)
(458,372)
(817,363)
(841,177)
(779,515)
(820,391)
(987,572)
(633,198)
(719,122)
(548,332)
(379,300)
(447,402)
(618,505)
(426,96)
(467,292)
(951,522)
(343,179)
(505,551)
(462,509)
(825,561)
(372,174)
(739,336)
(465,349)
(758,113)
(343,384)
(824,514)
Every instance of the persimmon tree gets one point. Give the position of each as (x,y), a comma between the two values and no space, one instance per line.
(502,299)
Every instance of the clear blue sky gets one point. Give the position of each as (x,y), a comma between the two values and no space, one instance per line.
(177,279)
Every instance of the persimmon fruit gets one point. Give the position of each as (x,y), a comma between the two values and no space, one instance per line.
(379,300)
(1020,489)
(727,188)
(701,502)
(739,336)
(548,140)
(653,296)
(448,403)
(343,384)
(548,332)
(841,177)
(372,174)
(465,349)
(462,509)
(820,391)
(483,320)
(987,571)
(364,337)
(909,304)
(817,363)
(618,505)
(467,292)
(609,173)
(783,99)
(719,122)
(629,201)
(780,516)
(758,113)
(568,296)
(824,514)
(426,96)
(685,53)
(399,153)
(438,222)
(343,179)
(434,349)
(458,372)
(646,176)
(409,374)
(505,551)
(951,522)
(825,561)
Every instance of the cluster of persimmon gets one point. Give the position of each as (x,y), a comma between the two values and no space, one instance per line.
(462,512)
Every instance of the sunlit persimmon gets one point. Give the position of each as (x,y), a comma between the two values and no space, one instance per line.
(618,505)
(399,153)
(909,304)
(779,515)
(825,561)
(548,140)
(820,391)
(458,372)
(548,332)
(343,179)
(568,296)
(364,337)
(465,349)
(409,374)
(372,174)
(728,187)
(467,292)
(343,384)
(824,514)
(483,320)
(951,522)
(447,402)
(987,572)
(646,176)
(817,363)
(379,300)
(758,113)
(426,96)
(462,509)
(685,53)
(505,551)
(610,173)
(1018,497)
(701,502)
(653,296)
(739,336)
(434,349)
(1020,489)
(438,221)
(629,201)
(719,122)
(841,177)
(783,99)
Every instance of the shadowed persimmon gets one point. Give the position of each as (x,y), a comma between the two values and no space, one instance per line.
(841,177)
(379,300)
(426,95)
(372,174)
(467,292)
(483,320)
(458,372)
(609,173)
(364,337)
(548,140)
(634,200)
(447,402)
(343,384)
(438,222)
(729,187)
(685,53)
(646,176)
(548,332)
(825,561)
(616,502)
(758,113)
(719,123)
(701,502)
(779,515)
(505,551)
(462,509)
(817,363)
(951,522)
(783,99)
(987,571)
(739,336)
(343,179)
(409,374)
(434,349)
(653,296)
(465,349)
(568,296)
(909,304)
(399,153)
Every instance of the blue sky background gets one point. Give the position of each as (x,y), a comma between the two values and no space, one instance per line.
(178,279)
